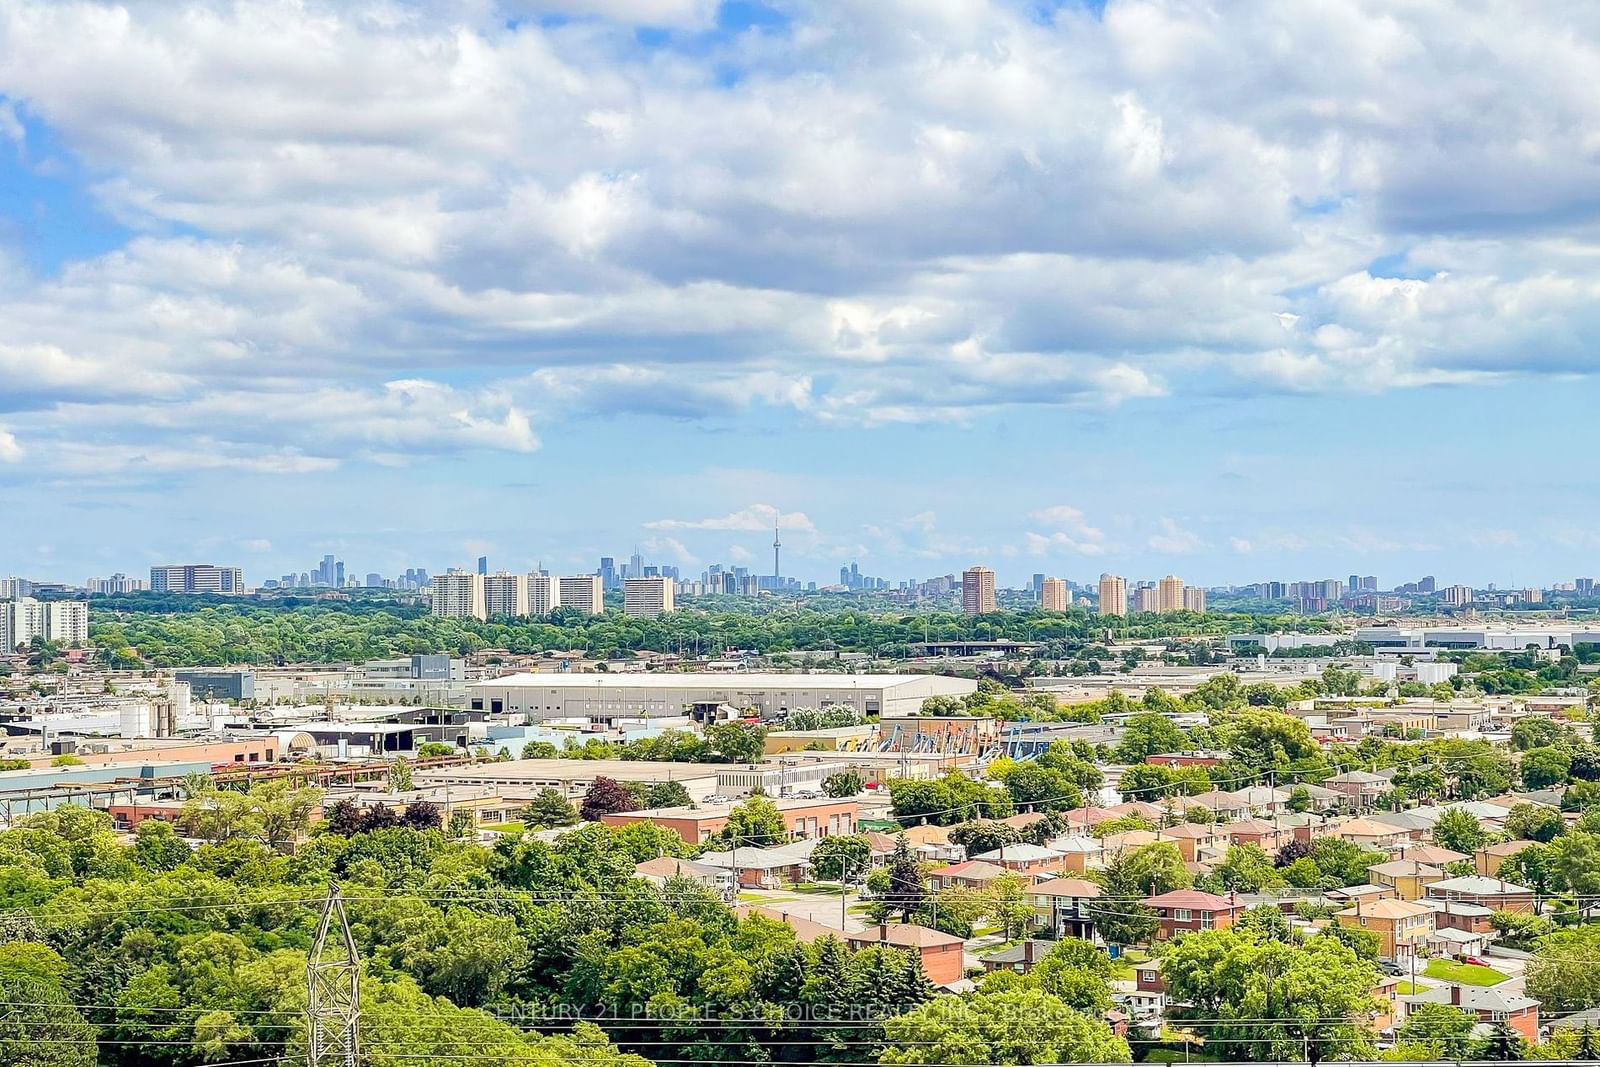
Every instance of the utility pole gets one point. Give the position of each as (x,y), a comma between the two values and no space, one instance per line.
(333,977)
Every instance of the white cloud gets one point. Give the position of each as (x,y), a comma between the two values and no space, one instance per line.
(672,548)
(756,517)
(897,213)
(1037,544)
(1068,518)
(1175,540)
(256,544)
(10,449)
(1240,545)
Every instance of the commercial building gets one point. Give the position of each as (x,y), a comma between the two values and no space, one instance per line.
(584,593)
(196,578)
(977,591)
(505,593)
(645,598)
(544,594)
(459,594)
(572,778)
(1053,595)
(1169,594)
(219,685)
(23,619)
(1113,595)
(606,697)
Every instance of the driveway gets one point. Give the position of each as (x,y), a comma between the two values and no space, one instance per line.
(821,908)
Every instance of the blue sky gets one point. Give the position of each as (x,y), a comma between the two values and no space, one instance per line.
(1261,291)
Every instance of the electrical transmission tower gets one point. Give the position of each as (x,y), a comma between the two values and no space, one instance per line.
(333,974)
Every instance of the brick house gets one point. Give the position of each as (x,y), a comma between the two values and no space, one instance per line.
(1065,905)
(943,955)
(1184,911)
(1496,894)
(1402,926)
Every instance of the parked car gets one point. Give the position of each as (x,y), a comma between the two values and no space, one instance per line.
(1393,970)
(1474,960)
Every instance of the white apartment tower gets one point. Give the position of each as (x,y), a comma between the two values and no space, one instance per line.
(544,594)
(1169,594)
(1053,595)
(1194,599)
(459,595)
(645,598)
(505,593)
(25,618)
(583,593)
(1113,595)
(977,591)
(1146,600)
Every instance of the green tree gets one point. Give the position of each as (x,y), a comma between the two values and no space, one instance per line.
(1534,822)
(400,775)
(1148,871)
(905,891)
(843,784)
(1439,1031)
(1460,831)
(40,1026)
(549,808)
(667,795)
(736,742)
(757,821)
(1148,734)
(1022,1026)
(1546,767)
(841,857)
(157,848)
(540,750)
(1537,731)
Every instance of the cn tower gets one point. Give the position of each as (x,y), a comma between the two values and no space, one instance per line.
(776,544)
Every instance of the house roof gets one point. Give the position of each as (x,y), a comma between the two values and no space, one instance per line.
(1247,826)
(1193,899)
(1365,828)
(1188,831)
(1019,953)
(671,867)
(1077,843)
(1457,907)
(928,835)
(1476,885)
(1356,778)
(1024,820)
(1473,998)
(976,869)
(1137,807)
(1388,909)
(1403,820)
(1019,853)
(805,930)
(904,935)
(1505,848)
(1065,887)
(1433,854)
(1406,869)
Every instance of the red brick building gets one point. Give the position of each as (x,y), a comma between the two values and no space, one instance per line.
(1184,911)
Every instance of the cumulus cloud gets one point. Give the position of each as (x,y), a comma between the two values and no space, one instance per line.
(885,212)
(1173,539)
(756,517)
(10,449)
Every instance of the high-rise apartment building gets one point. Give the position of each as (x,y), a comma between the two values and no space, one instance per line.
(645,598)
(1113,595)
(1194,599)
(1169,594)
(459,595)
(1457,596)
(583,593)
(1053,595)
(505,593)
(23,619)
(1145,599)
(116,584)
(977,591)
(196,578)
(544,594)
(1427,584)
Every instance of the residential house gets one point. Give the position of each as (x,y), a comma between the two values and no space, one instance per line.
(932,844)
(1492,1005)
(696,824)
(968,874)
(1408,878)
(1019,958)
(1358,790)
(1027,860)
(1264,835)
(1186,910)
(1370,834)
(1350,894)
(1268,800)
(1458,944)
(1455,915)
(1192,840)
(1402,926)
(1415,826)
(1487,860)
(1223,805)
(1079,853)
(663,869)
(1147,1001)
(761,868)
(943,955)
(1155,813)
(1084,820)
(1432,855)
(1172,760)
(1495,894)
(1065,906)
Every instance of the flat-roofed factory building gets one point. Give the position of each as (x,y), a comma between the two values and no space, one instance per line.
(607,697)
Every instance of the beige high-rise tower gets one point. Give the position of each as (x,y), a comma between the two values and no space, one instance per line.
(1053,595)
(1169,594)
(1113,595)
(977,591)
(1194,599)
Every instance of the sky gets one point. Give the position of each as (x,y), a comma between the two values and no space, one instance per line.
(1236,291)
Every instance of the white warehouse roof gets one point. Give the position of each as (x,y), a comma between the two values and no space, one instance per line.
(736,682)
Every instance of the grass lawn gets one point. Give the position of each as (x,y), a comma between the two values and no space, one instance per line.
(503,827)
(1465,973)
(1405,989)
(819,888)
(766,898)
(1122,970)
